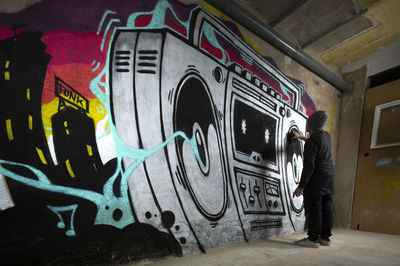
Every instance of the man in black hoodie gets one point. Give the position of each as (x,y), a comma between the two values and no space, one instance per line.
(316,183)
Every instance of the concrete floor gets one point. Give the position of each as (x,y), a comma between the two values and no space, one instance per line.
(348,247)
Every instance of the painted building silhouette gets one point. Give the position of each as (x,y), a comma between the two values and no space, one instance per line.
(74,137)
(23,65)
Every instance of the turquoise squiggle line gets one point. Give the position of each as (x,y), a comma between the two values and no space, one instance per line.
(302,108)
(158,17)
(97,66)
(247,58)
(210,34)
(103,19)
(284,91)
(45,184)
(106,32)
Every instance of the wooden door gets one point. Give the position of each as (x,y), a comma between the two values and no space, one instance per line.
(377,190)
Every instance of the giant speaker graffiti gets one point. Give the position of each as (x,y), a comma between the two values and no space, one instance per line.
(177,135)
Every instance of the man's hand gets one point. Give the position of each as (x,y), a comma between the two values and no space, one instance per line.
(296,135)
(298,192)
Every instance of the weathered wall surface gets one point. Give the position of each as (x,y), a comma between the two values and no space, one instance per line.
(145,129)
(377,187)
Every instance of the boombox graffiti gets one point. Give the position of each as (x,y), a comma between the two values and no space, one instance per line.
(193,141)
(247,168)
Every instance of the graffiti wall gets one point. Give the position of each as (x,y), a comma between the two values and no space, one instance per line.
(134,129)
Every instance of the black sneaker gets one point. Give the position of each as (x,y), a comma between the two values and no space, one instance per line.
(306,242)
(325,242)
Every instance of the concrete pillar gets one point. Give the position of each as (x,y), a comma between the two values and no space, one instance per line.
(352,106)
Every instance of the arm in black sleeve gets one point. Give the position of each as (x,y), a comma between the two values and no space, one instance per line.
(310,153)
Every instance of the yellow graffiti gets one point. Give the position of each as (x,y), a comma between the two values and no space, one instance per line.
(30,122)
(384,184)
(7,73)
(254,44)
(96,112)
(48,110)
(89,149)
(213,10)
(330,120)
(69,168)
(9,130)
(41,155)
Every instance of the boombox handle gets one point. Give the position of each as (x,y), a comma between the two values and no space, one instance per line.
(199,16)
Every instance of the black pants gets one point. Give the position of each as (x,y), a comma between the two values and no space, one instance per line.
(319,212)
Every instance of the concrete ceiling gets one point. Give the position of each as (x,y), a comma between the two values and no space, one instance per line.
(341,32)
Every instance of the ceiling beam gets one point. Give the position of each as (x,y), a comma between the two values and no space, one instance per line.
(288,12)
(332,29)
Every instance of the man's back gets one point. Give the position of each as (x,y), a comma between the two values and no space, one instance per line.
(318,169)
(323,159)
